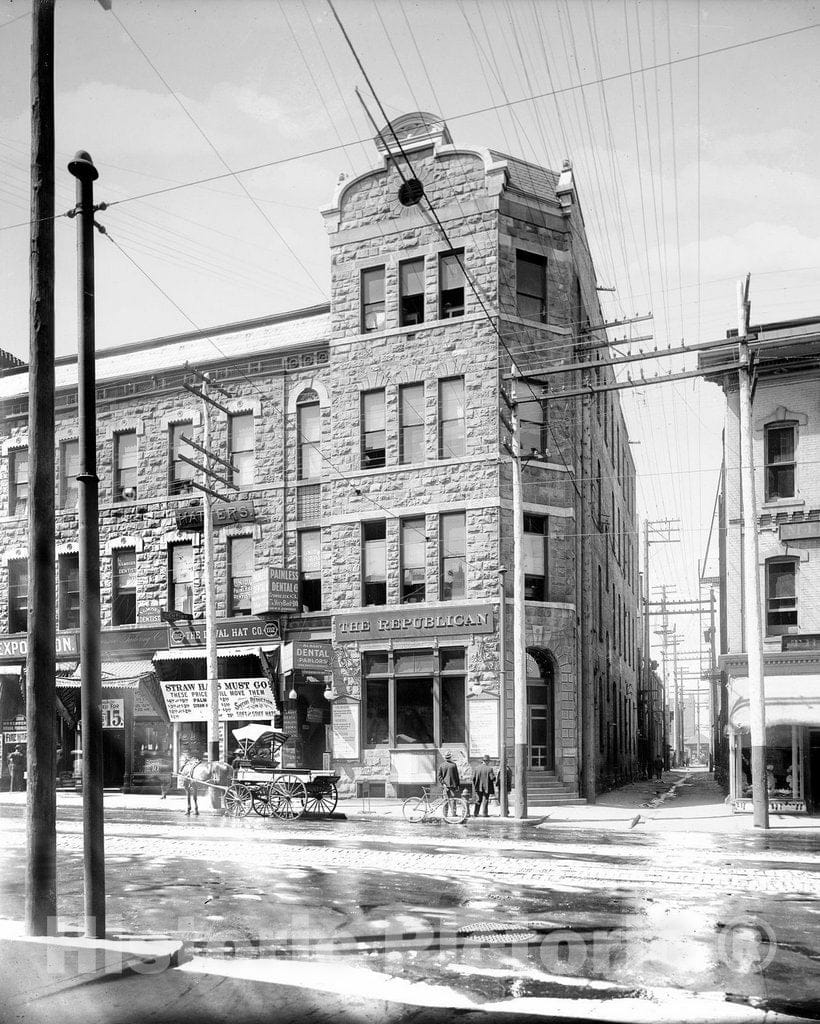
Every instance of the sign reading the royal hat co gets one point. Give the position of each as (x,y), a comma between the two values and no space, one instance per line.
(240,630)
(448,620)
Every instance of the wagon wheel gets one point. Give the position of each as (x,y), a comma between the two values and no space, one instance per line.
(238,800)
(322,796)
(287,797)
(261,801)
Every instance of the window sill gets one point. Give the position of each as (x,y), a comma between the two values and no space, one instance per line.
(782,503)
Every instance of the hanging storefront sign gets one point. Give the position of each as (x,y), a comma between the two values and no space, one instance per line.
(137,640)
(238,699)
(190,519)
(452,620)
(113,716)
(310,658)
(227,513)
(275,590)
(228,631)
(15,648)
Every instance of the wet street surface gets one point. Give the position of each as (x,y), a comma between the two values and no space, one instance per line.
(491,911)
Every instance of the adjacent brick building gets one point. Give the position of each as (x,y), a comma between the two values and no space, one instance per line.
(368,437)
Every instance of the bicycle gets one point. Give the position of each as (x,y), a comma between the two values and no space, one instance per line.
(454,809)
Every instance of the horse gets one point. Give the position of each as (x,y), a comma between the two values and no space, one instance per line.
(194,772)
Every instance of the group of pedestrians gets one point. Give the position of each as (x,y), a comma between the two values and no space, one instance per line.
(486,781)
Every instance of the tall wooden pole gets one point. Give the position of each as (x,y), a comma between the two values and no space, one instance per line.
(751,580)
(519,626)
(584,610)
(88,514)
(210,601)
(503,794)
(41,805)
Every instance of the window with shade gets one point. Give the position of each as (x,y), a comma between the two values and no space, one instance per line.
(125,466)
(374,569)
(69,578)
(451,284)
(532,423)
(781,596)
(531,286)
(124,587)
(240,574)
(241,449)
(309,429)
(411,292)
(181,578)
(310,570)
(413,561)
(373,429)
(535,558)
(180,474)
(451,418)
(69,469)
(18,595)
(453,544)
(411,423)
(372,290)
(780,460)
(18,482)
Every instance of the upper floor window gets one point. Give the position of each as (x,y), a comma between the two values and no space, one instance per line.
(125,466)
(18,595)
(181,578)
(411,423)
(535,558)
(531,286)
(241,448)
(451,284)
(373,299)
(69,571)
(780,461)
(453,555)
(124,587)
(180,474)
(411,292)
(532,425)
(18,482)
(781,596)
(309,430)
(240,575)
(413,561)
(374,539)
(373,432)
(310,570)
(69,469)
(451,418)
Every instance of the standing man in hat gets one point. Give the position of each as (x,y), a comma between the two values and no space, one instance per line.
(449,779)
(17,763)
(484,784)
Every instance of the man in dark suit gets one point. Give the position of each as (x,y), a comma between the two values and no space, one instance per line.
(484,785)
(448,778)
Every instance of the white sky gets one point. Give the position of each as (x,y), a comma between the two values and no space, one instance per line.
(689,175)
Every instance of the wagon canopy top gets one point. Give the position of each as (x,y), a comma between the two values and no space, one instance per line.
(254,733)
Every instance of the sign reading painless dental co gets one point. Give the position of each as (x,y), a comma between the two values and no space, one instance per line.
(446,620)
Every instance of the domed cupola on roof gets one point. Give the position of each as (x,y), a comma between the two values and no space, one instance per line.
(413,131)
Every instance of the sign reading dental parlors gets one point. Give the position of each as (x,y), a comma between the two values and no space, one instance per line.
(450,620)
(238,698)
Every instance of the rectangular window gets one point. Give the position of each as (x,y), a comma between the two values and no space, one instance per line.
(780,461)
(451,418)
(453,695)
(241,449)
(532,426)
(374,543)
(373,299)
(309,428)
(781,597)
(18,482)
(451,284)
(181,578)
(453,542)
(69,572)
(123,587)
(69,468)
(310,570)
(125,466)
(411,423)
(535,558)
(180,474)
(376,707)
(413,561)
(411,292)
(373,429)
(240,574)
(531,286)
(414,709)
(18,595)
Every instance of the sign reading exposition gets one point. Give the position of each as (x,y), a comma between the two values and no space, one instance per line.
(482,716)
(449,620)
(238,698)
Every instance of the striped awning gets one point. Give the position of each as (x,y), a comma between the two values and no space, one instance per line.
(124,675)
(790,700)
(190,653)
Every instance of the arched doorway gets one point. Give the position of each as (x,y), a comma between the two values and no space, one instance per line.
(540,711)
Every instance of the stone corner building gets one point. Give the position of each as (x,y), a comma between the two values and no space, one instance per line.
(370,448)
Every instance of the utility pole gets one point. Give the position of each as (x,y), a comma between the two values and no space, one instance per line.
(89,528)
(713,680)
(503,795)
(754,621)
(658,531)
(41,801)
(519,624)
(583,591)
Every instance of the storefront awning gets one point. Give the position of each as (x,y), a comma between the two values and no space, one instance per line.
(790,700)
(125,675)
(189,653)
